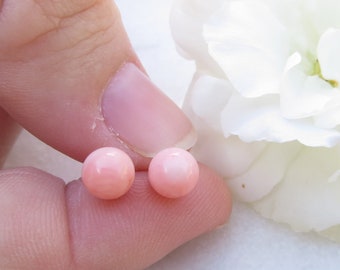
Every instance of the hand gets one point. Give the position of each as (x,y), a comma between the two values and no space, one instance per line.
(68,74)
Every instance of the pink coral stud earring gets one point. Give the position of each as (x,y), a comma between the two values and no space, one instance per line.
(108,173)
(173,172)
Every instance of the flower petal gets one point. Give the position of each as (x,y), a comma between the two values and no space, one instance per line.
(230,157)
(188,16)
(260,119)
(305,199)
(328,118)
(303,95)
(328,54)
(265,173)
(208,97)
(251,51)
(323,15)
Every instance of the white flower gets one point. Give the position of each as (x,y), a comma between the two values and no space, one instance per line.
(266,102)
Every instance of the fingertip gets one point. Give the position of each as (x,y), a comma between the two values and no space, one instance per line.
(142,223)
(213,193)
(33,223)
(108,173)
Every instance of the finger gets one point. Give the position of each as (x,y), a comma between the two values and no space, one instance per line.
(8,133)
(44,227)
(68,74)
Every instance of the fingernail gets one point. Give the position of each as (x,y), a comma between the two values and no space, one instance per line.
(144,118)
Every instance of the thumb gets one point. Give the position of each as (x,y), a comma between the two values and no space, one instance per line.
(68,74)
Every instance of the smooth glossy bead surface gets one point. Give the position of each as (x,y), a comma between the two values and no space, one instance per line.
(108,173)
(173,172)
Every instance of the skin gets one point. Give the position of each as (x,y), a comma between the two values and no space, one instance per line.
(47,59)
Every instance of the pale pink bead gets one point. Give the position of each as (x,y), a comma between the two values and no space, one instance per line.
(108,173)
(173,172)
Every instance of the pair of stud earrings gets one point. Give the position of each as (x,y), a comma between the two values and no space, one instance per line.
(108,173)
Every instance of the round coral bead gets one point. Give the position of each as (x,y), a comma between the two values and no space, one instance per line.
(173,172)
(108,173)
